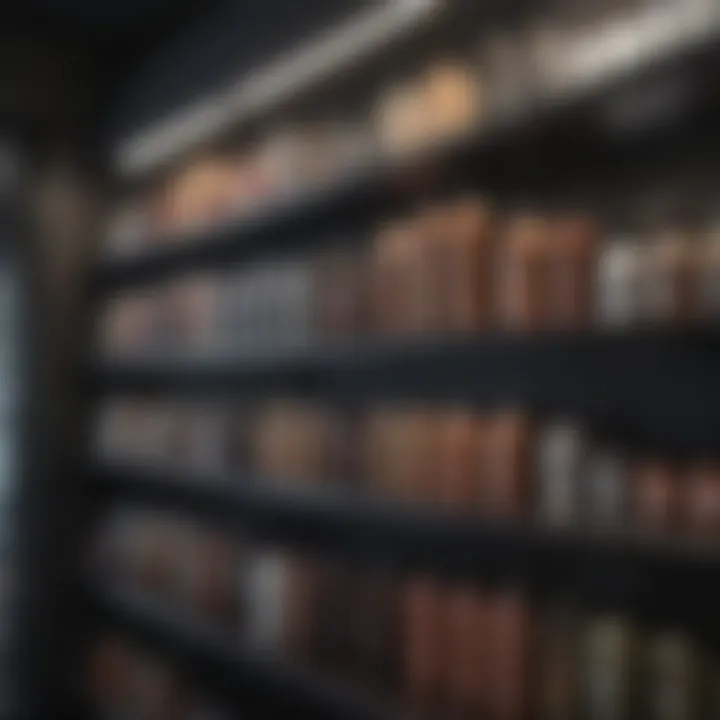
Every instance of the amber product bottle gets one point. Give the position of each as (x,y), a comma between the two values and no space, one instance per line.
(672,690)
(197,196)
(464,619)
(508,648)
(432,228)
(505,472)
(524,301)
(452,99)
(460,289)
(607,488)
(708,279)
(556,679)
(671,279)
(339,296)
(217,564)
(562,460)
(191,309)
(458,469)
(397,280)
(609,670)
(701,502)
(655,494)
(393,435)
(422,641)
(300,603)
(395,438)
(574,243)
(290,444)
(308,444)
(415,456)
(472,261)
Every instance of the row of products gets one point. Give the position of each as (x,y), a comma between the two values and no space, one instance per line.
(441,648)
(500,463)
(453,268)
(449,97)
(125,681)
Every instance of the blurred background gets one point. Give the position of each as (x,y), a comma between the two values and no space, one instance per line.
(359,359)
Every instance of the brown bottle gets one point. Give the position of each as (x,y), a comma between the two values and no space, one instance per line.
(399,300)
(507,667)
(339,296)
(217,563)
(655,496)
(459,487)
(467,288)
(464,617)
(419,457)
(524,300)
(505,472)
(422,640)
(701,503)
(672,279)
(708,279)
(451,97)
(574,242)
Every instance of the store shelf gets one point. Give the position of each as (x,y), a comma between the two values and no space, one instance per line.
(651,576)
(568,124)
(242,676)
(612,380)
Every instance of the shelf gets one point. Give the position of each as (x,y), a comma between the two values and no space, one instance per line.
(363,38)
(242,676)
(581,115)
(651,576)
(610,380)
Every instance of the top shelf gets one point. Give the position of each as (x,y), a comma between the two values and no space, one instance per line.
(580,118)
(313,63)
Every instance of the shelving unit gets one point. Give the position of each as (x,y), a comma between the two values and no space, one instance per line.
(373,189)
(657,389)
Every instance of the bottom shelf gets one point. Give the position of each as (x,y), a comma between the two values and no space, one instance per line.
(241,676)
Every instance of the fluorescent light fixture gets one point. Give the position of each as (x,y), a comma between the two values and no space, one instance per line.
(295,71)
